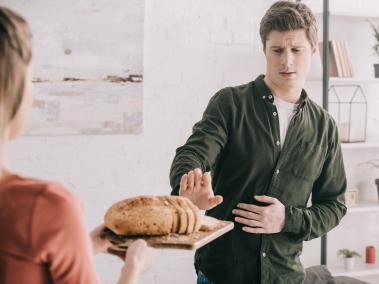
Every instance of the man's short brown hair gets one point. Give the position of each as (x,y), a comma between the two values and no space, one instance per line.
(15,56)
(286,16)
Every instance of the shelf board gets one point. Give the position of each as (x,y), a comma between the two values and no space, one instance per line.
(360,145)
(364,206)
(350,15)
(361,269)
(354,80)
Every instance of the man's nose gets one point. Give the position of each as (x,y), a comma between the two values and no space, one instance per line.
(287,59)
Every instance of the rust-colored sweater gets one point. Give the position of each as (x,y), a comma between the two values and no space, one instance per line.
(42,234)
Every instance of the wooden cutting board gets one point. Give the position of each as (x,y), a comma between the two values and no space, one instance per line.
(172,241)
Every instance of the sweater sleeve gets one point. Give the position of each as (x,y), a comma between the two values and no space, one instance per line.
(209,137)
(59,239)
(328,201)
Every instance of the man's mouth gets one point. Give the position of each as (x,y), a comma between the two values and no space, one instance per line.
(287,72)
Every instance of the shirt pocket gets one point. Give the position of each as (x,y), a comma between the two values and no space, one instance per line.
(309,161)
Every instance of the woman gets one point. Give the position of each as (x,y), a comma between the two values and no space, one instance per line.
(43,238)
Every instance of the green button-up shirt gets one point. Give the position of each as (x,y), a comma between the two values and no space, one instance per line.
(238,140)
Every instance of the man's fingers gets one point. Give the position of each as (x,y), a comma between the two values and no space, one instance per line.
(191,180)
(207,179)
(183,183)
(247,214)
(254,230)
(252,208)
(249,222)
(265,199)
(198,179)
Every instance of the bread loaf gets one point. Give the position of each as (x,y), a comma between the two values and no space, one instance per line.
(153,215)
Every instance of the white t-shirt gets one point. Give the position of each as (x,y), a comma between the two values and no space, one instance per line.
(286,111)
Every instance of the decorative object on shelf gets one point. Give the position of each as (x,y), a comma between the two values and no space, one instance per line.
(376,48)
(339,58)
(348,258)
(370,254)
(374,163)
(348,106)
(351,197)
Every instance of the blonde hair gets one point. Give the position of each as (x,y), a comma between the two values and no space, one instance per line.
(15,57)
(286,16)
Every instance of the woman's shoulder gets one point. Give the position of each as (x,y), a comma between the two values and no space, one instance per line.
(35,188)
(34,211)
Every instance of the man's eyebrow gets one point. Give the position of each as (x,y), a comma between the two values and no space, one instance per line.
(292,46)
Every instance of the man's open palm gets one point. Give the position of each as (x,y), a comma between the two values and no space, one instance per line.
(197,187)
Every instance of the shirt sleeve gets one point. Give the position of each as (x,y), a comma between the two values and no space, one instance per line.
(208,138)
(58,237)
(328,199)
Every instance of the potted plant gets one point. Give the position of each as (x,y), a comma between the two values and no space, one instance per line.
(348,257)
(374,163)
(376,48)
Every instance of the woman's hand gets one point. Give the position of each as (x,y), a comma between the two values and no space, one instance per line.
(139,258)
(99,244)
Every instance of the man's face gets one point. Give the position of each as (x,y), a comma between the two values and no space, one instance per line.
(288,57)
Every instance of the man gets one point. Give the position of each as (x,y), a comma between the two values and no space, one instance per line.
(258,154)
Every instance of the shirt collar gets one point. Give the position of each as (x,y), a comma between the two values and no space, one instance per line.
(265,93)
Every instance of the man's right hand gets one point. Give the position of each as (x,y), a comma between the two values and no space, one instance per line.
(197,187)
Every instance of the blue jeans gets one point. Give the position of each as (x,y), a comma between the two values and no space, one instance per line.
(202,279)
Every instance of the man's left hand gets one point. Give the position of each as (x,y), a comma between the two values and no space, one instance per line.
(261,219)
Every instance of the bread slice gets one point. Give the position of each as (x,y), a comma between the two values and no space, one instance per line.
(177,217)
(182,213)
(209,224)
(196,214)
(190,217)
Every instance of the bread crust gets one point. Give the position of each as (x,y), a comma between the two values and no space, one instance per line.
(153,215)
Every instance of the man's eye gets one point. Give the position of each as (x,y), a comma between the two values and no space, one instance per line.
(296,50)
(277,50)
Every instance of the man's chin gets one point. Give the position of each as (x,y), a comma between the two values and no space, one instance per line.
(291,82)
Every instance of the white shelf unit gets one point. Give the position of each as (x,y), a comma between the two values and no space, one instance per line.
(353,80)
(364,206)
(346,80)
(361,269)
(360,145)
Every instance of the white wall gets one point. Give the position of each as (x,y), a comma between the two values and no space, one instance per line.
(192,49)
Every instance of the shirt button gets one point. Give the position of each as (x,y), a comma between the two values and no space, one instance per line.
(263,97)
(277,143)
(270,97)
(264,254)
(277,171)
(274,113)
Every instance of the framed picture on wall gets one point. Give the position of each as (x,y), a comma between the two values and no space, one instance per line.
(88,66)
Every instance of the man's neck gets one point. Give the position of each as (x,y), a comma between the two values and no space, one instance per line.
(291,95)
